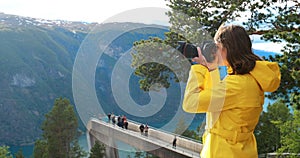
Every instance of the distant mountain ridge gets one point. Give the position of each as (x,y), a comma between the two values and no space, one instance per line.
(13,21)
(36,61)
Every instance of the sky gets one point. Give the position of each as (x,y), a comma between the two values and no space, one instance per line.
(145,11)
(75,10)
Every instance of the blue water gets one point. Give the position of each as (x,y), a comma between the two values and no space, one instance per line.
(28,149)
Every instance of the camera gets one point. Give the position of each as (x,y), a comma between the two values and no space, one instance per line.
(208,50)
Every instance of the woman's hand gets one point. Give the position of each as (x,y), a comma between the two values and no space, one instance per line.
(201,60)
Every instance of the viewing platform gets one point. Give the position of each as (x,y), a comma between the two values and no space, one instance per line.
(157,142)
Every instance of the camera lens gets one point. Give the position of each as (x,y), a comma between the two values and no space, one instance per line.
(208,50)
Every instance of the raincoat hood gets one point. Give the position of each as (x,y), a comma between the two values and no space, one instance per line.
(267,75)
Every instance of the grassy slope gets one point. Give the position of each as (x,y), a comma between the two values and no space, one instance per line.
(33,53)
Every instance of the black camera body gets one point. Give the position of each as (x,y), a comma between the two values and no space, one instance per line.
(208,50)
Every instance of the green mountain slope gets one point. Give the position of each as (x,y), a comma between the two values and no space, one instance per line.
(35,68)
(36,61)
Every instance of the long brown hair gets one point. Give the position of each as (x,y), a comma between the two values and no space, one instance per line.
(239,48)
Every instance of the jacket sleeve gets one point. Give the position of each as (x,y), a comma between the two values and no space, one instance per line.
(202,90)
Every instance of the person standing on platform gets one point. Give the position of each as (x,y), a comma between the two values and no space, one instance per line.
(174,142)
(146,130)
(113,119)
(108,116)
(142,127)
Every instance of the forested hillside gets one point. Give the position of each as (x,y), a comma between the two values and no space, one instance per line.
(36,66)
(36,61)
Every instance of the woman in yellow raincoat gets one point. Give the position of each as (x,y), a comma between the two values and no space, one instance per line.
(232,105)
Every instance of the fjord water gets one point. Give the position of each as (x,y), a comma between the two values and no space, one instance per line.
(28,149)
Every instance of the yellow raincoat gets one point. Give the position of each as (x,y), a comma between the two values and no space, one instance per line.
(232,107)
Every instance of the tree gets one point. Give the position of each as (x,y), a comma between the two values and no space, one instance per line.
(285,27)
(40,149)
(19,154)
(290,134)
(77,151)
(276,20)
(267,132)
(60,129)
(4,152)
(192,21)
(139,154)
(143,154)
(98,150)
